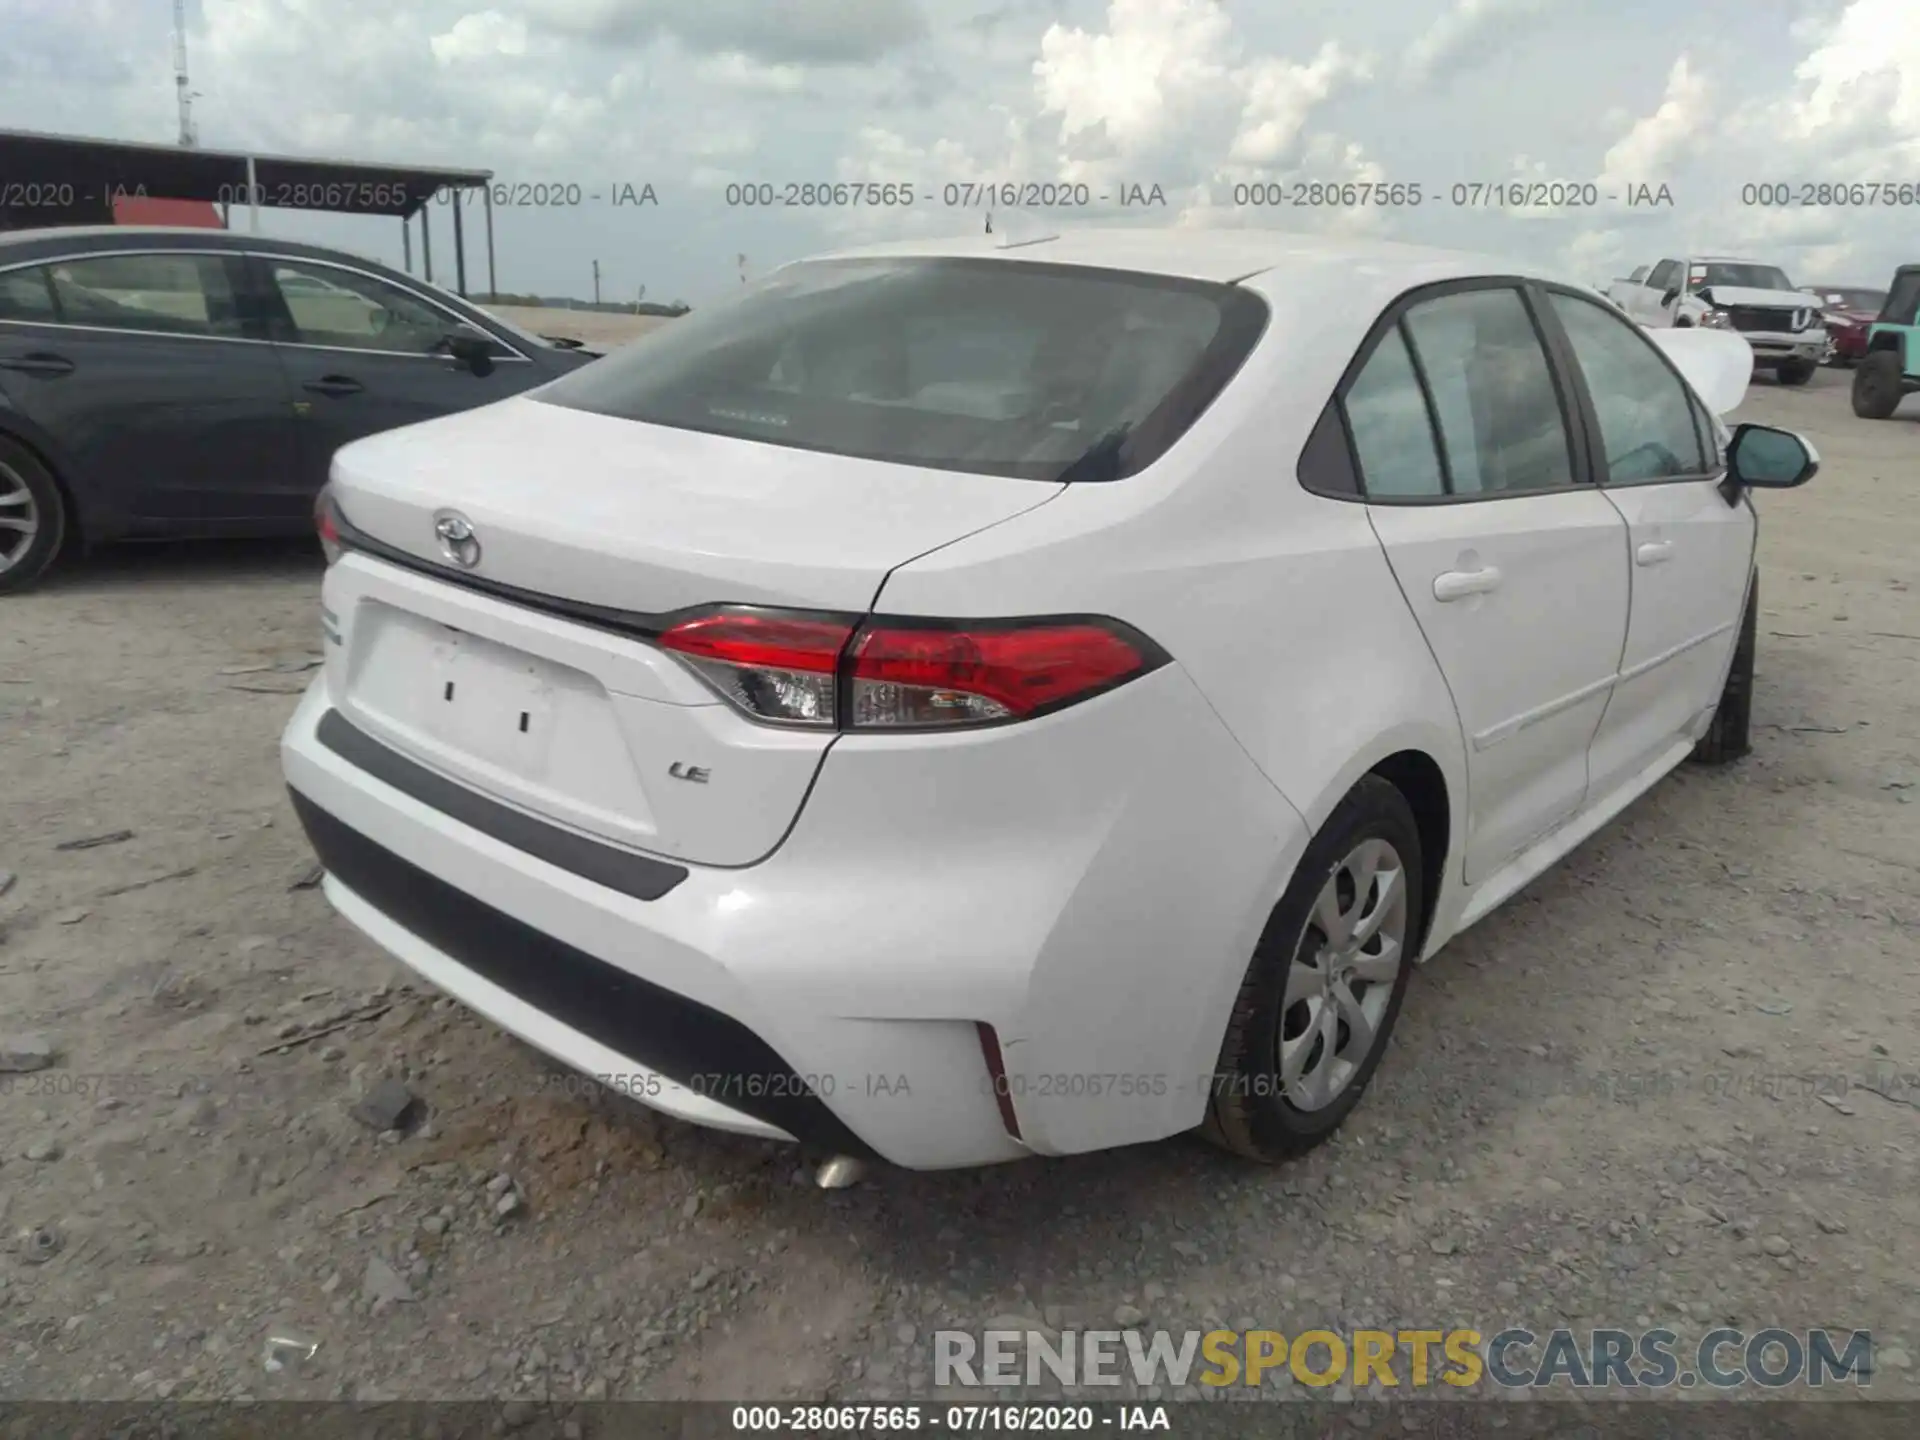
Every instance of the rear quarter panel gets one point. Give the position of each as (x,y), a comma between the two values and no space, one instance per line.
(1278,604)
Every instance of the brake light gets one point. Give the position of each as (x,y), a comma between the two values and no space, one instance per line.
(788,668)
(777,667)
(328,526)
(916,676)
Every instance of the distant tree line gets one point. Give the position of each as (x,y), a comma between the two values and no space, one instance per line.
(565,302)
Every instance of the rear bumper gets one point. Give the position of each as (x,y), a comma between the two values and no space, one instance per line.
(677,1055)
(1096,911)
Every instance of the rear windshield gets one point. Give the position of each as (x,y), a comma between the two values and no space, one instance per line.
(999,367)
(1747,277)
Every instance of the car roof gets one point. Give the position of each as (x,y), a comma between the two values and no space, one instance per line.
(1195,253)
(17,245)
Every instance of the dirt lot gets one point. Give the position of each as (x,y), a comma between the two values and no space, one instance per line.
(597,328)
(1676,1081)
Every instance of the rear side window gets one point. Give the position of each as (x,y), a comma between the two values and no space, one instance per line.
(999,367)
(1392,432)
(168,294)
(24,296)
(1501,425)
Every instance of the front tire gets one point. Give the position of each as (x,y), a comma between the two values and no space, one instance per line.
(1794,372)
(33,518)
(1319,1000)
(1876,386)
(1730,735)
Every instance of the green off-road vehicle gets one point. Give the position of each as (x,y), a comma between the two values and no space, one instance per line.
(1891,367)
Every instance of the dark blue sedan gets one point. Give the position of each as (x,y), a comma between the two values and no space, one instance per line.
(174,383)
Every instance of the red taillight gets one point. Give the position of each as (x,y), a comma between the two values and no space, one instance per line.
(914,676)
(778,668)
(795,669)
(328,527)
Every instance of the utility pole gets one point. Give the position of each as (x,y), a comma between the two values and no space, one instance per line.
(188,137)
(596,282)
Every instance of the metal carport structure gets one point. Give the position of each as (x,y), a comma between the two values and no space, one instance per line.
(48,180)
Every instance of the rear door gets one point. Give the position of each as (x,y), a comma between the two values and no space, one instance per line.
(163,395)
(1513,564)
(363,354)
(1657,459)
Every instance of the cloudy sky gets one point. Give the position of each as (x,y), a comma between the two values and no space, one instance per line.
(1197,97)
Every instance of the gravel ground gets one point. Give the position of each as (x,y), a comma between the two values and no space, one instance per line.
(1675,1081)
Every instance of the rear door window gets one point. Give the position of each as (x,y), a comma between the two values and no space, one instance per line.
(26,295)
(163,293)
(1000,367)
(1502,427)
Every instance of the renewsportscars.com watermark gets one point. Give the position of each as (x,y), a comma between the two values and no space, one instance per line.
(1511,1359)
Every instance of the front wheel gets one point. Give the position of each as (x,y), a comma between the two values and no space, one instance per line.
(1326,983)
(1876,386)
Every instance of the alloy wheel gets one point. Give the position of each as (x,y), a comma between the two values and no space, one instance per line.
(1343,974)
(19,517)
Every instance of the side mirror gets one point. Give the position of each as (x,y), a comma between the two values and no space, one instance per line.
(1768,459)
(471,349)
(1671,296)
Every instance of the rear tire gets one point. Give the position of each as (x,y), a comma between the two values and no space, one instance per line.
(29,496)
(1292,1067)
(1730,735)
(1794,372)
(1877,386)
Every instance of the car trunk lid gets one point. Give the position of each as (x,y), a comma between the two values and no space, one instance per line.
(529,675)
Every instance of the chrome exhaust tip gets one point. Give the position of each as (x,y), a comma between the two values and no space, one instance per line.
(839,1172)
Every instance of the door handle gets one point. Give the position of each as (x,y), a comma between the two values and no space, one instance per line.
(334,385)
(1458,584)
(40,362)
(1652,552)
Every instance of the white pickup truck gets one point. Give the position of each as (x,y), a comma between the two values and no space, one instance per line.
(1782,324)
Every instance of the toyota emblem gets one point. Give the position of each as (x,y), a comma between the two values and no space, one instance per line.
(457,540)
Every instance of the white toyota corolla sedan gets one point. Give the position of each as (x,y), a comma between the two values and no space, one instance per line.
(958,701)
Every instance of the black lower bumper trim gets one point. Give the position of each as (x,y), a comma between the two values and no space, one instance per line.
(711,1053)
(640,876)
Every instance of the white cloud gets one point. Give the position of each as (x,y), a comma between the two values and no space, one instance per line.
(819,31)
(481,35)
(1280,98)
(1169,93)
(1869,62)
(1471,32)
(1655,144)
(742,72)
(1158,64)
